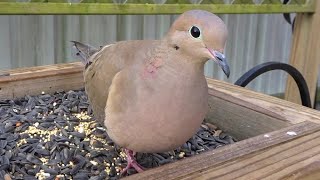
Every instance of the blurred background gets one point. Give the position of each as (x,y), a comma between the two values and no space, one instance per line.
(40,40)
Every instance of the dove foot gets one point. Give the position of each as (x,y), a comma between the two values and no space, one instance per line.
(131,163)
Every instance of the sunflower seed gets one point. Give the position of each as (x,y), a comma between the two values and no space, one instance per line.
(81,176)
(31,158)
(51,171)
(77,134)
(3,144)
(33,171)
(42,152)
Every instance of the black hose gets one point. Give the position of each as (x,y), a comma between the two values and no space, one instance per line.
(269,66)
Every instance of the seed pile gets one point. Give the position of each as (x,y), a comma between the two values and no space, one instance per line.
(55,137)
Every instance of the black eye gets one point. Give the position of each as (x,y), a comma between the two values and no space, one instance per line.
(195,32)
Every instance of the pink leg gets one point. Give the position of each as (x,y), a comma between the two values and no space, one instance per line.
(131,162)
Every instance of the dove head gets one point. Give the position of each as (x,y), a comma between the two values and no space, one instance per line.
(201,36)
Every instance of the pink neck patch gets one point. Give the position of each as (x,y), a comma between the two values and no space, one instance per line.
(151,69)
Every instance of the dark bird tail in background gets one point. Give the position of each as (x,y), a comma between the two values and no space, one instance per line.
(83,52)
(287,16)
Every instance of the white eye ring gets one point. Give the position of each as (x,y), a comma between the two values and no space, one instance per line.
(195,32)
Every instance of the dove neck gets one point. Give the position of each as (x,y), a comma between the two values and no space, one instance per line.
(185,63)
(177,59)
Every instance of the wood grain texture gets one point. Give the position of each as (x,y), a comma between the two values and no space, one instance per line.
(247,150)
(240,121)
(262,103)
(35,80)
(305,54)
(276,162)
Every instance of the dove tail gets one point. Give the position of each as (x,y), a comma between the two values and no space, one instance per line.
(83,51)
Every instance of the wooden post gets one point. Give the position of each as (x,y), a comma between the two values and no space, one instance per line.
(305,53)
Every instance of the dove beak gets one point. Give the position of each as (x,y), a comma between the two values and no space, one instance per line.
(221,60)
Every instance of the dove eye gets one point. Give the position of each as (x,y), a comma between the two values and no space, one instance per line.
(195,32)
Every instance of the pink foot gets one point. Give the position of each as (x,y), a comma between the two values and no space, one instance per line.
(132,163)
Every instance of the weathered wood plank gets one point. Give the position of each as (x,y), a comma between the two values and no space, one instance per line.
(305,54)
(20,74)
(306,172)
(229,154)
(272,163)
(235,119)
(262,103)
(112,8)
(35,80)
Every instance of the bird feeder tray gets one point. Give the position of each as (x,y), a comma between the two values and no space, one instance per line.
(277,139)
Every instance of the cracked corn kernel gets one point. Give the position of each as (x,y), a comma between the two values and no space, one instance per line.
(181,155)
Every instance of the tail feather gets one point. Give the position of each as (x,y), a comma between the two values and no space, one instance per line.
(83,51)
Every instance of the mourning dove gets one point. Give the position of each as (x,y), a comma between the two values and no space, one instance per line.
(152,95)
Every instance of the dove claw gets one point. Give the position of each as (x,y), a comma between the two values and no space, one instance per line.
(131,163)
